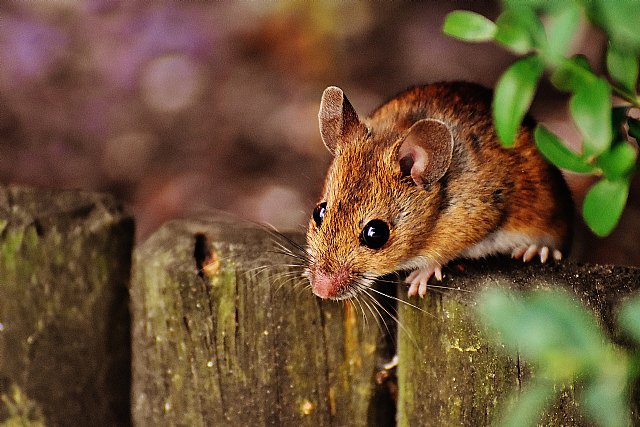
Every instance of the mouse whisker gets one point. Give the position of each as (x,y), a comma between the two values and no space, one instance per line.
(372,305)
(400,300)
(357,301)
(450,288)
(305,289)
(289,254)
(291,279)
(252,272)
(393,316)
(377,315)
(279,238)
(429,285)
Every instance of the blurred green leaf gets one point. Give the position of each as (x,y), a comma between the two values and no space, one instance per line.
(526,409)
(520,30)
(590,108)
(548,328)
(561,30)
(634,128)
(618,161)
(547,6)
(572,74)
(513,95)
(580,331)
(629,318)
(619,19)
(497,308)
(605,398)
(469,26)
(623,67)
(603,205)
(557,153)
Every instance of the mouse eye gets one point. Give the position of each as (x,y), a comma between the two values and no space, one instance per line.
(318,213)
(375,234)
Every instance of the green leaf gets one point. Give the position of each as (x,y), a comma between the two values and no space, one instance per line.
(581,339)
(605,399)
(469,26)
(619,19)
(603,205)
(557,153)
(498,308)
(623,68)
(561,30)
(629,318)
(513,95)
(590,108)
(547,328)
(548,6)
(619,161)
(572,74)
(527,407)
(520,30)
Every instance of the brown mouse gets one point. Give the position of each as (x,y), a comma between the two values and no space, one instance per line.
(424,180)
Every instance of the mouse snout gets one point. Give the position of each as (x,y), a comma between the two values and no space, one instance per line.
(330,285)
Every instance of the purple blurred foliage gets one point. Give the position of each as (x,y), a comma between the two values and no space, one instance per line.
(177,107)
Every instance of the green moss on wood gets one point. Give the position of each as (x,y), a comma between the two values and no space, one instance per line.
(64,270)
(21,410)
(449,371)
(244,346)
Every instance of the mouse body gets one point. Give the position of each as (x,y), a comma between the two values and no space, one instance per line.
(424,180)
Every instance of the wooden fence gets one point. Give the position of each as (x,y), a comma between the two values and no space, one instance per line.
(241,341)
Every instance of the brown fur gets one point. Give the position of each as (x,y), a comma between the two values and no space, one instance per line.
(486,187)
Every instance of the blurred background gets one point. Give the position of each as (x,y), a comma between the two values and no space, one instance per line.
(176,107)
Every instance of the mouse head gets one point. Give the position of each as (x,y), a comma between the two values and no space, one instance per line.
(380,198)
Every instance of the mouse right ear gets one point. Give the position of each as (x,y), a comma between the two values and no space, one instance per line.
(426,151)
(338,120)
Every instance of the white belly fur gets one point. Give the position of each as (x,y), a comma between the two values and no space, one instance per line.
(505,242)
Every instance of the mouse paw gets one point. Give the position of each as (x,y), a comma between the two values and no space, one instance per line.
(527,253)
(418,279)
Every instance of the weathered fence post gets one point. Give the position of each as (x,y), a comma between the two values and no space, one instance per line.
(243,343)
(65,260)
(449,374)
(225,333)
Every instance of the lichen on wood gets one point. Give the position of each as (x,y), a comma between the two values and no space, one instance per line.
(225,332)
(450,373)
(65,260)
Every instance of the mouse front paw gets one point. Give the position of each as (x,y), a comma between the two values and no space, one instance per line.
(418,279)
(527,253)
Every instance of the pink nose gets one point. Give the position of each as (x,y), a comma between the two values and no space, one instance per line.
(329,285)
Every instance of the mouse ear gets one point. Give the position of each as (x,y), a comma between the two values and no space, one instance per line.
(426,151)
(338,120)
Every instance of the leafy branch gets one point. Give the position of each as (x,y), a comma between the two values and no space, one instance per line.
(542,30)
(563,340)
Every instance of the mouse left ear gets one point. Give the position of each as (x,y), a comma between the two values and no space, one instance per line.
(338,120)
(426,151)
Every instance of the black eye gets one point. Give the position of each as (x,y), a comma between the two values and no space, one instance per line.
(375,234)
(318,213)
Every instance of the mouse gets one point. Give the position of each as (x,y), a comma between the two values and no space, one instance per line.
(424,180)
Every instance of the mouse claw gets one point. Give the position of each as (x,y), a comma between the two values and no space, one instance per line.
(422,291)
(527,253)
(413,290)
(544,254)
(557,255)
(518,252)
(418,280)
(530,253)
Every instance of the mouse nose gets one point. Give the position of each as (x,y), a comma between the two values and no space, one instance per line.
(329,285)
